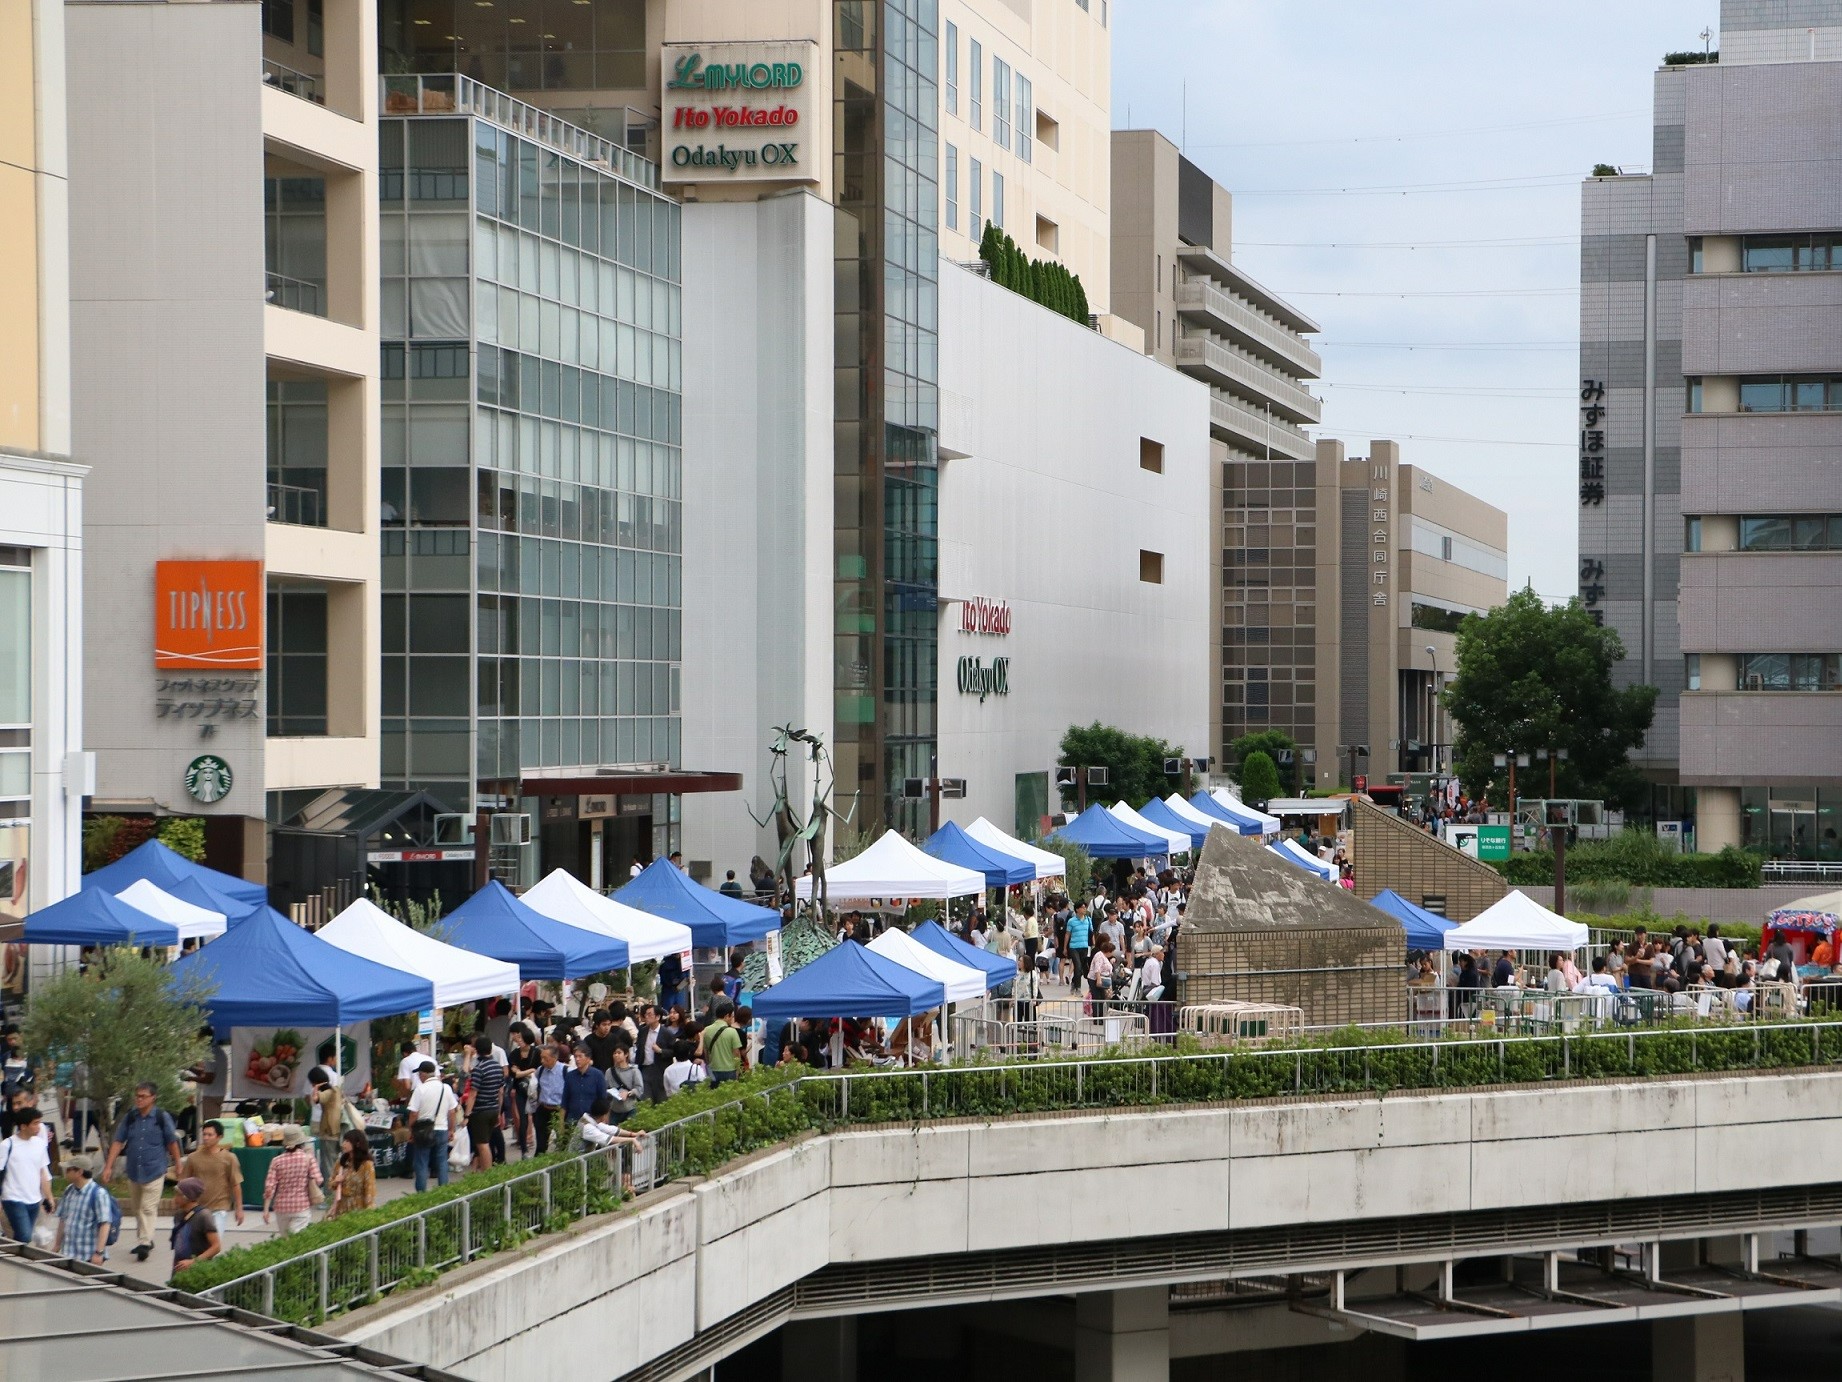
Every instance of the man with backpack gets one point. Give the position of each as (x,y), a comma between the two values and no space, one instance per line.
(89,1219)
(147,1142)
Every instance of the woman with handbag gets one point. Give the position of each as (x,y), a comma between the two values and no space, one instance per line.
(294,1183)
(355,1180)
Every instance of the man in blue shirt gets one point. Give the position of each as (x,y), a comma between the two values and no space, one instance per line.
(147,1143)
(549,1103)
(581,1087)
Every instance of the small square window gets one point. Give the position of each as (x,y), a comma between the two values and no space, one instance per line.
(1151,455)
(1048,235)
(1151,567)
(1048,130)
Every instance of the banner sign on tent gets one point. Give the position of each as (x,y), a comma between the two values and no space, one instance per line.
(272,1062)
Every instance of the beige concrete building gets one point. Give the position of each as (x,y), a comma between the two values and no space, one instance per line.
(1401,559)
(43,773)
(224,273)
(1174,278)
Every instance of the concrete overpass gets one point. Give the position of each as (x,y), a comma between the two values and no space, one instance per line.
(1416,1216)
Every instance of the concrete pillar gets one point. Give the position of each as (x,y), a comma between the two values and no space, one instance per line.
(1701,1348)
(1123,1336)
(819,1350)
(1717,809)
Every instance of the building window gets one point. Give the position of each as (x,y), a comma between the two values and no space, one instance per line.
(1790,672)
(997,199)
(1691,671)
(1761,254)
(1151,455)
(952,188)
(278,19)
(976,56)
(952,68)
(1695,260)
(1026,118)
(1048,131)
(975,201)
(1001,103)
(1813,533)
(1158,340)
(1691,535)
(1694,395)
(1437,618)
(296,662)
(1151,567)
(1791,394)
(1048,234)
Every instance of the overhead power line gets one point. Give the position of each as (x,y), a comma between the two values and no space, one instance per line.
(1514,242)
(1453,345)
(1428,293)
(1435,134)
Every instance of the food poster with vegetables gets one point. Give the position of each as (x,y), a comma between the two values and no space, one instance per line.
(272,1062)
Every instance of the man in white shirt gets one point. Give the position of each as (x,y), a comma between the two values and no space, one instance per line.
(25,1184)
(434,1101)
(409,1069)
(1151,976)
(681,1071)
(1714,949)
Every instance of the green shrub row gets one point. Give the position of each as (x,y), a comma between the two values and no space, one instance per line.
(767,1107)
(1619,861)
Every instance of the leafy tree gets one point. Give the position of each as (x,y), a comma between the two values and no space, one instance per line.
(1260,777)
(1078,882)
(1271,742)
(122,1020)
(1134,762)
(1531,677)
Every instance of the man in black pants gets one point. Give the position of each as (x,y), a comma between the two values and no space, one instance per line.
(648,1057)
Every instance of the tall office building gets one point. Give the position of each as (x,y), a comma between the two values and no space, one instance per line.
(224,285)
(1709,535)
(532,478)
(43,772)
(1174,276)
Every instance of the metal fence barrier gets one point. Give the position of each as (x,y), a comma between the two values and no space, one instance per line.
(417,1247)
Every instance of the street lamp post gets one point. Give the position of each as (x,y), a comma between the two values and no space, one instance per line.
(1432,705)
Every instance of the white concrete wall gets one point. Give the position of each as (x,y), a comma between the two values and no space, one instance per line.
(1044,506)
(757,504)
(650,1280)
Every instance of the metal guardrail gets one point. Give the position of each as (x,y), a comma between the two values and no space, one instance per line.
(298,505)
(415,1248)
(296,294)
(302,84)
(453,94)
(1800,871)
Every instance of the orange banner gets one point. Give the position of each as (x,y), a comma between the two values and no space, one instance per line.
(208,614)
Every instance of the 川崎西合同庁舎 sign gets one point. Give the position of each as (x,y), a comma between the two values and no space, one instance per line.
(739,112)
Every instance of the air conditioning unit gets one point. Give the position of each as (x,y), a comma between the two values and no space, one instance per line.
(511,828)
(1098,777)
(453,830)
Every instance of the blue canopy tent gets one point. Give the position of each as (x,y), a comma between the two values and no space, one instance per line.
(955,846)
(717,922)
(1245,824)
(493,922)
(850,981)
(1294,853)
(1104,836)
(997,969)
(97,917)
(1425,930)
(164,869)
(1162,816)
(267,971)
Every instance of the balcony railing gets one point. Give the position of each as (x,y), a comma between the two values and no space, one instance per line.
(1257,431)
(452,94)
(297,504)
(303,84)
(1232,317)
(1227,365)
(296,294)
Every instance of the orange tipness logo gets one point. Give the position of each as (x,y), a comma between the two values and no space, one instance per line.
(208,614)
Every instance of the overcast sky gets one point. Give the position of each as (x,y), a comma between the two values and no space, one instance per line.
(1512,101)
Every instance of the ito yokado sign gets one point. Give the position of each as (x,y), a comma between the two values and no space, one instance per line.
(739,112)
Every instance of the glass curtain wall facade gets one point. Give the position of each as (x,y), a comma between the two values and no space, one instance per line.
(532,463)
(887,532)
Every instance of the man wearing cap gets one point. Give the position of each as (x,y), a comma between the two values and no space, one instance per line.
(434,1103)
(83,1213)
(288,1190)
(195,1235)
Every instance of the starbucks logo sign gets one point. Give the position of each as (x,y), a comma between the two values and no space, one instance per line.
(208,778)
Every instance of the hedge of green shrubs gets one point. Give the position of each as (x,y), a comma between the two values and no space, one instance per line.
(1639,859)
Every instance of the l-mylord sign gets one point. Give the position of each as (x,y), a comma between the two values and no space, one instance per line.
(739,112)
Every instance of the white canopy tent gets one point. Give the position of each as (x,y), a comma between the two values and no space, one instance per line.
(1183,811)
(892,867)
(1293,852)
(1179,844)
(962,982)
(194,922)
(459,976)
(1047,865)
(1517,922)
(566,898)
(1234,806)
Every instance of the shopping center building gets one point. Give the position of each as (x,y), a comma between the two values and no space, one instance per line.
(44,773)
(1710,505)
